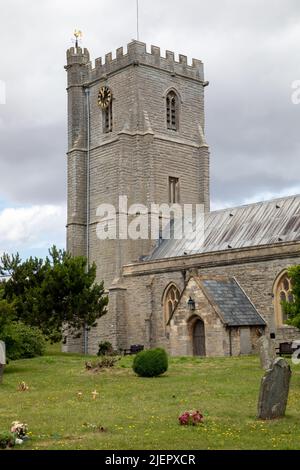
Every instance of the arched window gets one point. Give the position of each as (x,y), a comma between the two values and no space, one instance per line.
(171,299)
(172,111)
(108,119)
(282,293)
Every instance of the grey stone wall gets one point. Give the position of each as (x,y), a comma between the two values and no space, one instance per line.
(180,331)
(256,278)
(136,159)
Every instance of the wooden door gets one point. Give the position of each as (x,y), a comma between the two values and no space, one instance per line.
(199,338)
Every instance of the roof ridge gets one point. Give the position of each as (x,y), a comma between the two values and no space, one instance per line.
(268,201)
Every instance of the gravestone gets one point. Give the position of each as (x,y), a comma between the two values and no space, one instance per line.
(2,359)
(267,352)
(274,390)
(245,341)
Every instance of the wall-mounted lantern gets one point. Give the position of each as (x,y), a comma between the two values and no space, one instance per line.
(191,304)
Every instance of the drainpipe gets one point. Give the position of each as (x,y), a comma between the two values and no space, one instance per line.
(87,94)
(230,341)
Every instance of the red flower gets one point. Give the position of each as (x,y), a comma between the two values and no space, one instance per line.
(197,417)
(190,418)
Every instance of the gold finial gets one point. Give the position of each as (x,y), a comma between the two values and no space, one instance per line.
(78,36)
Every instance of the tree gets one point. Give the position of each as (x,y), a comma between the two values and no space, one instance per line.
(293,309)
(7,313)
(54,293)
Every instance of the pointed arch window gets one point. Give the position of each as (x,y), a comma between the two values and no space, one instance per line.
(172,109)
(282,293)
(171,299)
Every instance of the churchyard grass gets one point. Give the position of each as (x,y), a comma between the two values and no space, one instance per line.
(142,413)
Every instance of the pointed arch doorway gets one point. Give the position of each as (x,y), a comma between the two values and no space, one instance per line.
(199,338)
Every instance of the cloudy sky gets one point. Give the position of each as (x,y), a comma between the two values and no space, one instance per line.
(251,52)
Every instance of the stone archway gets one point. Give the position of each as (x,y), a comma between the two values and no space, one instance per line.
(199,338)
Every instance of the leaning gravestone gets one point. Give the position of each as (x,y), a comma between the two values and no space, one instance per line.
(2,359)
(267,352)
(274,390)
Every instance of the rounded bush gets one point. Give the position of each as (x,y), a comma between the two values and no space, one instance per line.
(23,341)
(150,363)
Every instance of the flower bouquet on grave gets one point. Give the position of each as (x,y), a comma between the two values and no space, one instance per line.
(19,430)
(190,418)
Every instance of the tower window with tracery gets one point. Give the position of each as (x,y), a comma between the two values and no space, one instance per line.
(172,111)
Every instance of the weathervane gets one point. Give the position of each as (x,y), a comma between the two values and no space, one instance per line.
(78,36)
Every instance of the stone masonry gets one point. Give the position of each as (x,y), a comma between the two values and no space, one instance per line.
(255,269)
(137,158)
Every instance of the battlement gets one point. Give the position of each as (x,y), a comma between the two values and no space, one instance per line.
(78,56)
(136,55)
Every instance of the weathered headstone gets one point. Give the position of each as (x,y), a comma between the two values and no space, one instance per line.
(2,359)
(296,353)
(267,352)
(274,390)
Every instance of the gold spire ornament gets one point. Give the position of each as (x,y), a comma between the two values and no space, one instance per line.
(78,36)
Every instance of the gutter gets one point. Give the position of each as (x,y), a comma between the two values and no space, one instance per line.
(87,94)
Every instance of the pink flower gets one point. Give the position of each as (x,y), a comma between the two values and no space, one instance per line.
(190,418)
(197,417)
(184,418)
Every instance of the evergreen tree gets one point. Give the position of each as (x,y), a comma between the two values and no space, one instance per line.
(54,294)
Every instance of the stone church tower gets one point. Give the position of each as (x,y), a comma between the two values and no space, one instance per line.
(135,129)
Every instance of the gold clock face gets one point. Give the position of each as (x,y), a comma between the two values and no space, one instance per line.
(104,97)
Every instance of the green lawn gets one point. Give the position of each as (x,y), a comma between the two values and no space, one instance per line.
(143,413)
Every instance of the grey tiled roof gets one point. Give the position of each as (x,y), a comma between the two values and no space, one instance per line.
(235,307)
(257,224)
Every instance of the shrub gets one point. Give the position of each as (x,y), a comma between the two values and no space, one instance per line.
(7,440)
(151,363)
(105,348)
(105,362)
(23,341)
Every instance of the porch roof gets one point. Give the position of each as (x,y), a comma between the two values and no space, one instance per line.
(231,301)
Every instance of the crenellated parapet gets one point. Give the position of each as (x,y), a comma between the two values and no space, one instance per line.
(136,55)
(78,61)
(78,56)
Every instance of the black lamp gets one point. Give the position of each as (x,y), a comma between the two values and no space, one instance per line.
(191,304)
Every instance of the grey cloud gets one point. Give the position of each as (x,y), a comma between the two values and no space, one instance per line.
(33,167)
(251,53)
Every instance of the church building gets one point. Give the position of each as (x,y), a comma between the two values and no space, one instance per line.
(136,128)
